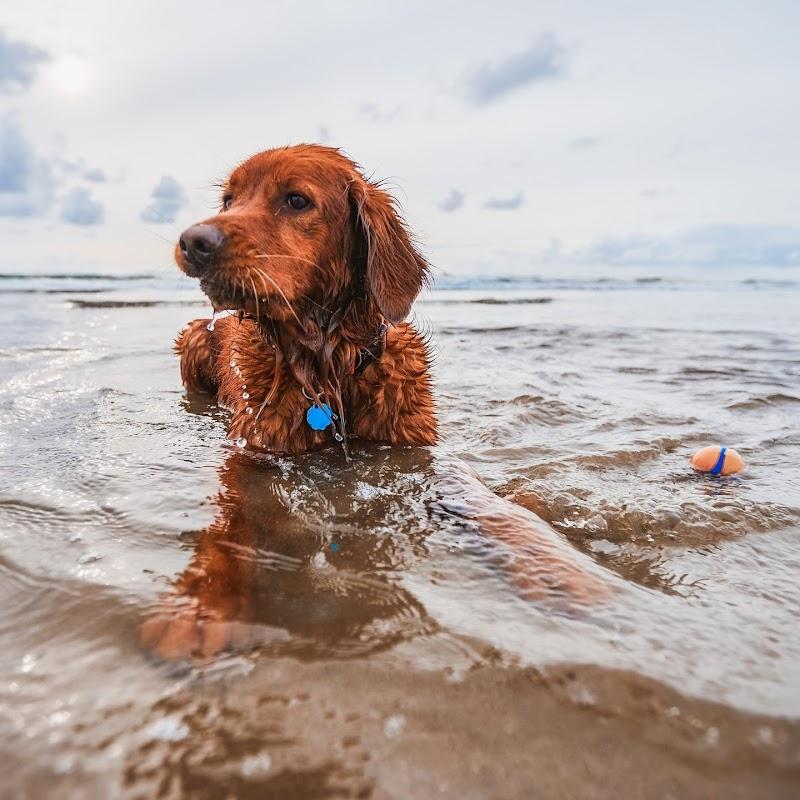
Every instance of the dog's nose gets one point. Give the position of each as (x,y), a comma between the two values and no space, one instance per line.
(201,243)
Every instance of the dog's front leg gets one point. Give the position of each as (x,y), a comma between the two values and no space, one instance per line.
(196,347)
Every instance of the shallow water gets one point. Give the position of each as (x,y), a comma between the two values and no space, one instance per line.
(363,635)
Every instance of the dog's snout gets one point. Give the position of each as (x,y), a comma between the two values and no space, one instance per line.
(201,243)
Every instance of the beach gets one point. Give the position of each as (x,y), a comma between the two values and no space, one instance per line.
(376,645)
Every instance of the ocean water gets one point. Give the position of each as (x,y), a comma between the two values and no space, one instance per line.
(355,604)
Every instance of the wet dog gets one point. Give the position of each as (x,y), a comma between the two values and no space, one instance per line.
(322,271)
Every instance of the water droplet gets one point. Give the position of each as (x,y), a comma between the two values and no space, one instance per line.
(393,726)
(232,364)
(245,395)
(237,371)
(248,410)
(168,729)
(256,765)
(241,442)
(214,317)
(338,437)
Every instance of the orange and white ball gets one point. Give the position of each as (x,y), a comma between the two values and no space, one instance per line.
(708,460)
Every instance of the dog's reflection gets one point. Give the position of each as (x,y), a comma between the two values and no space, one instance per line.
(307,555)
(304,559)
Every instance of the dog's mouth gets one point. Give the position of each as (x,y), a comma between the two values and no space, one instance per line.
(224,296)
(221,296)
(258,296)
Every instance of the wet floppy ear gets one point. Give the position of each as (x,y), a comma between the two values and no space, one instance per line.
(394,270)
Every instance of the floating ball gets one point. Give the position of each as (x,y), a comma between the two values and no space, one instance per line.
(717,461)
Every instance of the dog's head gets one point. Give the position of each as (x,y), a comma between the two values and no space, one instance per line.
(301,227)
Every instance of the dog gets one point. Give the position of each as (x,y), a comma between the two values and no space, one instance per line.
(322,272)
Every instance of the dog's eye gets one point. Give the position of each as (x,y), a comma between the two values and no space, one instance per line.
(297,201)
(227,202)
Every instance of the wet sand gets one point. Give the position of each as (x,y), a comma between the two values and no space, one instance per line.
(381,729)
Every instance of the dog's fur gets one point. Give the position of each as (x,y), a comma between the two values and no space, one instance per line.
(324,290)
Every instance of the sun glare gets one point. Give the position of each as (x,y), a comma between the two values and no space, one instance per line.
(70,74)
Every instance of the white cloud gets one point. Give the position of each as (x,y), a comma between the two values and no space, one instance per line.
(95,175)
(78,208)
(452,202)
(505,203)
(19,62)
(26,181)
(544,59)
(168,199)
(584,142)
(706,246)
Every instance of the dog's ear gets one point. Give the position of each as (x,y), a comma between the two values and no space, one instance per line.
(393,269)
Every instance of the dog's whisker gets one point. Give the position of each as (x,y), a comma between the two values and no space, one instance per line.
(256,254)
(256,301)
(261,281)
(283,295)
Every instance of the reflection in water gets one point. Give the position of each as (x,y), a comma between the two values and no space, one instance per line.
(306,555)
(286,565)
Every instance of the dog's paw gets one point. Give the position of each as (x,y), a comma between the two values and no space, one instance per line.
(180,632)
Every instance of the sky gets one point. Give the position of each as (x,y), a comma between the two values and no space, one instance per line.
(519,137)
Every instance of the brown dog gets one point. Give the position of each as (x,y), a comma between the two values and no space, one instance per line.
(323,271)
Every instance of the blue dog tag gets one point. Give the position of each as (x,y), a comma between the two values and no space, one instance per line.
(319,418)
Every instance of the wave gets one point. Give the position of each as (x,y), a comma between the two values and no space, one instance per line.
(450,282)
(75,276)
(82,290)
(493,301)
(608,283)
(765,400)
(134,303)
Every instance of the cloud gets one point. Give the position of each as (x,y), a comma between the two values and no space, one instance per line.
(78,208)
(584,142)
(376,113)
(168,199)
(95,175)
(505,203)
(655,192)
(323,134)
(543,60)
(26,182)
(452,202)
(707,246)
(18,63)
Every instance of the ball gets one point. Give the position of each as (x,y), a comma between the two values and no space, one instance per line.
(717,460)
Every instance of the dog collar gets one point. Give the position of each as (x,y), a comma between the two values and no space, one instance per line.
(369,355)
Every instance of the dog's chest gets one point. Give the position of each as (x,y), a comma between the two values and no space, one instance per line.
(268,407)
